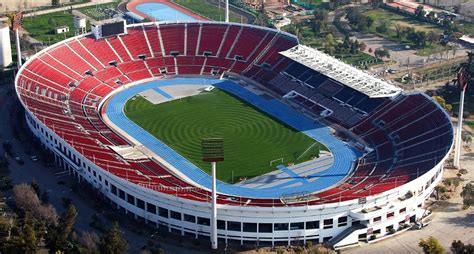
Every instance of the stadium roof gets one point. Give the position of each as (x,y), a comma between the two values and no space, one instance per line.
(344,73)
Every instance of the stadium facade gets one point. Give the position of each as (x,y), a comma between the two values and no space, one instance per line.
(403,138)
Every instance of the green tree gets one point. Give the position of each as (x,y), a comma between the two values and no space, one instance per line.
(420,12)
(432,37)
(68,220)
(431,245)
(329,44)
(112,242)
(467,195)
(442,102)
(469,69)
(29,236)
(52,21)
(458,247)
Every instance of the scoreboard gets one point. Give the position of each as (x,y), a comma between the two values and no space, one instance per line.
(109,27)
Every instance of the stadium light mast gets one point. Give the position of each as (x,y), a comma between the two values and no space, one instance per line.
(462,86)
(226,10)
(213,152)
(15,26)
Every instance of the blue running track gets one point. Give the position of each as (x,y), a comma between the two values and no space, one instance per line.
(163,12)
(344,155)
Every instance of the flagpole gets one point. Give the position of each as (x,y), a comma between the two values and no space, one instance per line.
(457,151)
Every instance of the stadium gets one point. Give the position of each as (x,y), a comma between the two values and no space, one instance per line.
(125,113)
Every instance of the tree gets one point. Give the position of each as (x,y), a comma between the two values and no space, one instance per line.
(431,245)
(469,69)
(330,42)
(30,239)
(362,23)
(320,15)
(381,53)
(68,220)
(370,22)
(432,37)
(440,189)
(383,27)
(420,12)
(467,195)
(458,247)
(442,102)
(90,241)
(26,199)
(398,29)
(376,3)
(52,21)
(112,242)
(418,38)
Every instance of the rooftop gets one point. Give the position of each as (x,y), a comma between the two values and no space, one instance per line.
(342,72)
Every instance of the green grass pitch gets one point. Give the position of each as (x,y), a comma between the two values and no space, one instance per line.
(251,138)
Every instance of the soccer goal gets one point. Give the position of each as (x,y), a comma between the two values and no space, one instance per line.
(276,160)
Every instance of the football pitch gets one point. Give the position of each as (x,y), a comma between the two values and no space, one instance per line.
(252,139)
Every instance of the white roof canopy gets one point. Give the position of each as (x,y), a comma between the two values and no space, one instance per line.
(342,72)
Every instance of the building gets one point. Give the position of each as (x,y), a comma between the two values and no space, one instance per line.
(5,46)
(382,172)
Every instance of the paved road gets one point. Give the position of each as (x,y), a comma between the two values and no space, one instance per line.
(47,180)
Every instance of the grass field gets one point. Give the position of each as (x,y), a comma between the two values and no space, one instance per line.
(207,10)
(393,19)
(42,27)
(251,138)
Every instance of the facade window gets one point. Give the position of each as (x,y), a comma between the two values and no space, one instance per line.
(151,208)
(204,221)
(113,189)
(130,199)
(402,210)
(163,212)
(189,218)
(121,194)
(327,223)
(297,225)
(312,224)
(140,204)
(233,226)
(265,228)
(250,227)
(221,224)
(390,215)
(377,219)
(175,215)
(280,226)
(342,221)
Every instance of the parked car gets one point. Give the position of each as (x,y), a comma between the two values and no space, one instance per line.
(34,158)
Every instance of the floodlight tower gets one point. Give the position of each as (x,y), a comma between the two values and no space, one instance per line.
(462,86)
(213,151)
(226,10)
(15,19)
